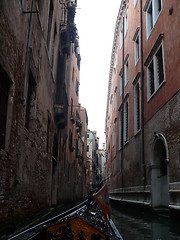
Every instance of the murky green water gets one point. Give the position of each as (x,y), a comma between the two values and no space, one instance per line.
(133,224)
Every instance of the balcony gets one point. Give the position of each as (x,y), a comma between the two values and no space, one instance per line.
(60,116)
(78,125)
(73,119)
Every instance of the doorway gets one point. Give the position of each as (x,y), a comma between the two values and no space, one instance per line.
(159,172)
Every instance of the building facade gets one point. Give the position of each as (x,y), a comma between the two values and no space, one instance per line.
(102,163)
(92,159)
(142,117)
(41,141)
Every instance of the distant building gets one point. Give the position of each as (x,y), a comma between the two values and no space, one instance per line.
(84,119)
(142,118)
(102,164)
(92,159)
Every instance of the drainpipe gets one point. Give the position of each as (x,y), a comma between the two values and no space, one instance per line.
(122,112)
(142,97)
(26,70)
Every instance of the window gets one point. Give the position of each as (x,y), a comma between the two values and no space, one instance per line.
(120,129)
(54,39)
(115,99)
(73,75)
(30,101)
(153,9)
(136,46)
(70,140)
(149,19)
(126,71)
(4,93)
(135,2)
(121,83)
(77,149)
(21,2)
(71,106)
(51,8)
(114,137)
(155,72)
(126,121)
(87,148)
(137,107)
(121,37)
(77,87)
(115,59)
(40,7)
(126,22)
(111,106)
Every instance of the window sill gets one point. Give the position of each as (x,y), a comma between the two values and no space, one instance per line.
(149,99)
(126,143)
(137,132)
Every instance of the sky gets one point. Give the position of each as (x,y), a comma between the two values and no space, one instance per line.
(95,21)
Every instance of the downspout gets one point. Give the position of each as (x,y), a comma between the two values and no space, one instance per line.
(142,98)
(122,112)
(26,70)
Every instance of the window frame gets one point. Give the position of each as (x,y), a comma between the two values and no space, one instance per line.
(135,3)
(120,129)
(126,70)
(126,121)
(121,36)
(114,136)
(137,114)
(136,47)
(151,18)
(126,22)
(115,98)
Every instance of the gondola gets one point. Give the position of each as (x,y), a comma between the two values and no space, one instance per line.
(90,220)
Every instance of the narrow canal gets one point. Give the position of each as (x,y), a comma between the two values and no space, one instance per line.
(134,224)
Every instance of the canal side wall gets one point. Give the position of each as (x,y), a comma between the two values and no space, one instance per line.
(25,165)
(133,189)
(143,162)
(36,171)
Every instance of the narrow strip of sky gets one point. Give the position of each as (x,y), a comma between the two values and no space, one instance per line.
(95,21)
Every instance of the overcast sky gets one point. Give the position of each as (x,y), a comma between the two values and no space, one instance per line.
(95,21)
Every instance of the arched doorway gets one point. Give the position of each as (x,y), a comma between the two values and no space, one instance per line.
(159,173)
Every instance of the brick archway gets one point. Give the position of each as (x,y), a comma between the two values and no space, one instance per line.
(159,172)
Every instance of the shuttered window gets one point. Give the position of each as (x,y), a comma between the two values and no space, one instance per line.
(160,66)
(155,72)
(151,78)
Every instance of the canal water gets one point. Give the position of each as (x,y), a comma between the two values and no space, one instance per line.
(136,224)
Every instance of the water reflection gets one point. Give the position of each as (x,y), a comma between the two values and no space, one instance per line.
(138,225)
